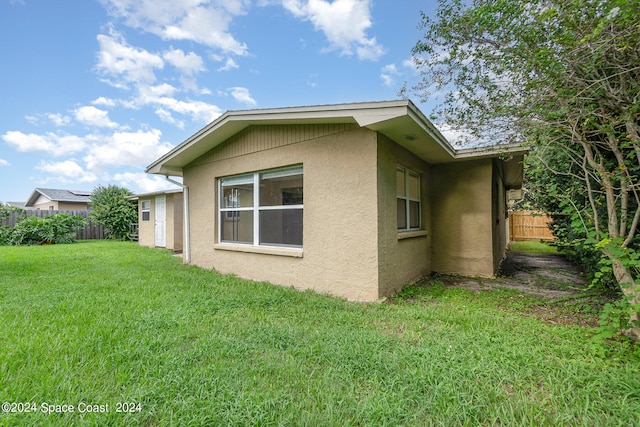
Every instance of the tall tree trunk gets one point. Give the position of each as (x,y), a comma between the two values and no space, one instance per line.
(630,288)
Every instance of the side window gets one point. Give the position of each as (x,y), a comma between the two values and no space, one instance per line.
(146,209)
(262,208)
(408,199)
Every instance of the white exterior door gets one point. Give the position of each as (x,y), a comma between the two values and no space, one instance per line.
(161,221)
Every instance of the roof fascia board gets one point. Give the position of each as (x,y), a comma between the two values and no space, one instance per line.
(372,115)
(428,127)
(347,113)
(156,167)
(155,193)
(491,151)
(34,197)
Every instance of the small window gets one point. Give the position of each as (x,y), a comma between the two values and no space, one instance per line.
(262,208)
(146,209)
(408,199)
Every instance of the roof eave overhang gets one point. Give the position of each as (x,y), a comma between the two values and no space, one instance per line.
(154,193)
(401,121)
(33,198)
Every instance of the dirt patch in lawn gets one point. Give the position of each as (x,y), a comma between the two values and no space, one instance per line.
(563,292)
(551,276)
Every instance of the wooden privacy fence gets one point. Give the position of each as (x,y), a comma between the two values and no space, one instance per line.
(529,225)
(90,231)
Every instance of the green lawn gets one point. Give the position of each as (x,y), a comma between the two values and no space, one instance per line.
(533,247)
(111,323)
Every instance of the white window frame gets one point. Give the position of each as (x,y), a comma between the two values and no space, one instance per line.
(407,210)
(253,178)
(144,210)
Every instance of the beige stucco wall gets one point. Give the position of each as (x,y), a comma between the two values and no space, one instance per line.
(177,224)
(461,218)
(146,232)
(45,204)
(402,259)
(169,222)
(174,222)
(339,254)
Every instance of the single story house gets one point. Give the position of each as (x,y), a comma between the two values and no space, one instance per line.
(354,200)
(58,200)
(18,205)
(160,219)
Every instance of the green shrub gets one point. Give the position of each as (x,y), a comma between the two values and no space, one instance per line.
(5,232)
(32,230)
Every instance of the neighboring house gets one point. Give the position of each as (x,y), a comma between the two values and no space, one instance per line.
(160,219)
(355,200)
(58,200)
(18,205)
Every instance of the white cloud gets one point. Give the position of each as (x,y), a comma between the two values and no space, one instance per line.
(242,95)
(57,145)
(230,64)
(188,64)
(28,142)
(344,23)
(67,171)
(370,49)
(145,182)
(388,73)
(411,64)
(162,98)
(59,119)
(167,117)
(201,21)
(126,149)
(104,102)
(198,110)
(147,94)
(3,162)
(32,119)
(120,61)
(93,116)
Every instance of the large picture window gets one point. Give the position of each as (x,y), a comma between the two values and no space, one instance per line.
(262,208)
(408,199)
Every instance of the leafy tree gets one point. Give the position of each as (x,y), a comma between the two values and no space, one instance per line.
(564,76)
(110,207)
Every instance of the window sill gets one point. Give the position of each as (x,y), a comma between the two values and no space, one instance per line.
(411,234)
(266,250)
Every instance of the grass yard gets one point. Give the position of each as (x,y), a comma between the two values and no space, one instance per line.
(130,329)
(533,247)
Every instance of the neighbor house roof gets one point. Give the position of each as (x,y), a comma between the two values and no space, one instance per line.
(20,205)
(401,121)
(59,196)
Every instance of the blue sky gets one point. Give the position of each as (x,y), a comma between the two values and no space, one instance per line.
(92,91)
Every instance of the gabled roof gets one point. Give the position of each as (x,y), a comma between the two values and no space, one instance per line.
(401,121)
(59,196)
